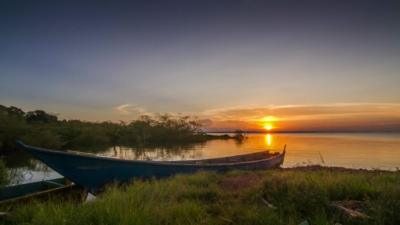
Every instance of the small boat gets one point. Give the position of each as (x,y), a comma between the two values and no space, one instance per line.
(41,190)
(93,172)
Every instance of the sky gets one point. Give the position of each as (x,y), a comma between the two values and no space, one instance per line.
(234,64)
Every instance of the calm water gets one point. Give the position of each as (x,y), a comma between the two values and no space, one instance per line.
(368,151)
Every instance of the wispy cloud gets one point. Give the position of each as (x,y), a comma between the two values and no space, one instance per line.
(322,117)
(129,109)
(123,109)
(305,117)
(287,112)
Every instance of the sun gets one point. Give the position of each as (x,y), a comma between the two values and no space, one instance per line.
(268,126)
(267,122)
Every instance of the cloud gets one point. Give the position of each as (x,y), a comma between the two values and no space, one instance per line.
(129,109)
(322,117)
(286,112)
(339,116)
(123,109)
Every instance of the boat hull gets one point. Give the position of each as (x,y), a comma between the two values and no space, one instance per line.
(93,172)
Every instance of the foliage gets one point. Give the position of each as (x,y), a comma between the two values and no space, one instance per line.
(43,129)
(40,116)
(232,198)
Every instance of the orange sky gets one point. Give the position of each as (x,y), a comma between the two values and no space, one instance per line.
(332,117)
(278,118)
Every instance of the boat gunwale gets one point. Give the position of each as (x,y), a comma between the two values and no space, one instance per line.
(38,193)
(160,163)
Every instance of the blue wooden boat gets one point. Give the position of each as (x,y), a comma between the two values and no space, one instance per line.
(93,172)
(40,190)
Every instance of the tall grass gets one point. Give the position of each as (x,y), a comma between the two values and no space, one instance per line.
(4,177)
(233,198)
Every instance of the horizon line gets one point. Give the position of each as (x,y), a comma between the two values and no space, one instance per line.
(305,131)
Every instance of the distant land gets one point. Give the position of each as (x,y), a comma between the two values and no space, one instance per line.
(303,131)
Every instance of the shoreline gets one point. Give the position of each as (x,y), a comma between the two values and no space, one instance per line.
(335,169)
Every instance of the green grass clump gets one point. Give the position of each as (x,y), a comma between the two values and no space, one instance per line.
(4,177)
(233,198)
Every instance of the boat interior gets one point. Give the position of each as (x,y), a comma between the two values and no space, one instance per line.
(29,188)
(232,159)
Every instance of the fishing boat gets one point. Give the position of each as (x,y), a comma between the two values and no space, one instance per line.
(93,172)
(41,190)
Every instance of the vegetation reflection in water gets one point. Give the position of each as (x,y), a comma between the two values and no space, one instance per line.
(39,128)
(369,151)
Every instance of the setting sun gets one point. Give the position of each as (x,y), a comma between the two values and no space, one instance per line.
(268,127)
(267,122)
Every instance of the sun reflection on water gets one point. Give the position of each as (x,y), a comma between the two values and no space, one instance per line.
(268,139)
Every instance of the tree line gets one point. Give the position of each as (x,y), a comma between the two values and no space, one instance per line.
(43,129)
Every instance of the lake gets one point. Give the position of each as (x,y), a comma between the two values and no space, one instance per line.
(367,151)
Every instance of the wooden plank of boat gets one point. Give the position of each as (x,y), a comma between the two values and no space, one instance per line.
(93,172)
(41,190)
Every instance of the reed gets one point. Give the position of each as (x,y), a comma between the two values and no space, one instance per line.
(4,177)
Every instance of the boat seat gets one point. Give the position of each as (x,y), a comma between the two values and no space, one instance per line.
(52,183)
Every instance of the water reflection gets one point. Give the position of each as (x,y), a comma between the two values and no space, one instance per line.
(268,139)
(154,153)
(370,151)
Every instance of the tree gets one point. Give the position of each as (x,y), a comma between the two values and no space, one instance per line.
(40,116)
(3,109)
(14,111)
(239,136)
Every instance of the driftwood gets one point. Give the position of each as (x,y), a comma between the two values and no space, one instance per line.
(4,214)
(269,205)
(351,208)
(225,219)
(305,222)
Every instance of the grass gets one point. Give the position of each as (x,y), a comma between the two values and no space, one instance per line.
(233,198)
(4,178)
